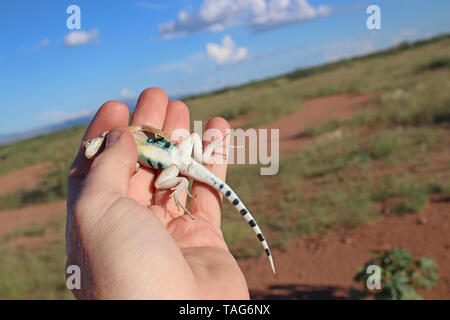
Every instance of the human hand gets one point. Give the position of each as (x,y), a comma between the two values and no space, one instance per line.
(127,248)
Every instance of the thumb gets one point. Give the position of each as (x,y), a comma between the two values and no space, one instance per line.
(110,172)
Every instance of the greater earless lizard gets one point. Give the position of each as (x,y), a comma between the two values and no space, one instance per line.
(156,150)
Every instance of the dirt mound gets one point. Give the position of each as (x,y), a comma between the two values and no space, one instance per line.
(24,178)
(323,266)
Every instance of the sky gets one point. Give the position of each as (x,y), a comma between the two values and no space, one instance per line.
(50,73)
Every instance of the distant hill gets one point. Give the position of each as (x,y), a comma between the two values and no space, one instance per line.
(7,138)
(12,137)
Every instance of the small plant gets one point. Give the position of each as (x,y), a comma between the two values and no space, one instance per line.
(400,275)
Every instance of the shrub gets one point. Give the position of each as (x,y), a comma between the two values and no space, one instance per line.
(400,275)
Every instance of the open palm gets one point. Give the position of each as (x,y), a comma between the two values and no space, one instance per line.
(130,240)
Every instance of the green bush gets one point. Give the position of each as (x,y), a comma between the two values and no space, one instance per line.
(400,275)
(438,63)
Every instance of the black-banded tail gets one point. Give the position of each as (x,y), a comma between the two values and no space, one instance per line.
(202,174)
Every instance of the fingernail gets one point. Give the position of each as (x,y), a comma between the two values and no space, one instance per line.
(112,137)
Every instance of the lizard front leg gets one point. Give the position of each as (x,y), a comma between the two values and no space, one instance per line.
(168,179)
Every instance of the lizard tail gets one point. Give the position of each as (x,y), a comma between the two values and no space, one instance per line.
(210,179)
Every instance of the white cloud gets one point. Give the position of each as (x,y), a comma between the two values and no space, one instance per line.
(187,65)
(225,53)
(283,12)
(258,15)
(128,94)
(41,44)
(202,64)
(60,115)
(78,38)
(348,48)
(406,35)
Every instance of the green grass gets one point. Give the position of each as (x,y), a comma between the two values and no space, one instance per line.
(424,104)
(26,275)
(351,151)
(330,207)
(326,157)
(51,187)
(50,147)
(427,103)
(397,143)
(438,186)
(32,231)
(36,273)
(405,195)
(329,126)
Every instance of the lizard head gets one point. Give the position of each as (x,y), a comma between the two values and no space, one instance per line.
(93,146)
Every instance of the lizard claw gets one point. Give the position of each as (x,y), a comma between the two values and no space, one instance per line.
(220,155)
(178,203)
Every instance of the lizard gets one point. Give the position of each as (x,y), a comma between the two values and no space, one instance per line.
(156,150)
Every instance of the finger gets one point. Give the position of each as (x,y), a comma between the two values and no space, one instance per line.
(206,201)
(112,114)
(177,117)
(112,169)
(110,172)
(150,110)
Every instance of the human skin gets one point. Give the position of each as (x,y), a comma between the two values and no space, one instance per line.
(127,247)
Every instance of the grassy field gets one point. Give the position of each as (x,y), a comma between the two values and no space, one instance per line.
(34,271)
(376,163)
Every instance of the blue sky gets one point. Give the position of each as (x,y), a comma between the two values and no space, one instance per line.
(49,74)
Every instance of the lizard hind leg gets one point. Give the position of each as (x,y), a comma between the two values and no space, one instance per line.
(174,194)
(208,156)
(192,145)
(168,179)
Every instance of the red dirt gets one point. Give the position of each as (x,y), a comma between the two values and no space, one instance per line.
(24,217)
(35,242)
(26,178)
(315,112)
(323,266)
